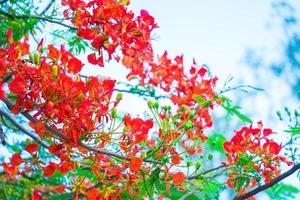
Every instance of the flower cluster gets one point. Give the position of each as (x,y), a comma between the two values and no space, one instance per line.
(109,26)
(252,156)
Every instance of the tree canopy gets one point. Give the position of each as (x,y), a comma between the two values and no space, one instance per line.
(76,144)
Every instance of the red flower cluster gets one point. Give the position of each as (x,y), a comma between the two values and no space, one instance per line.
(12,168)
(135,131)
(251,156)
(109,25)
(49,86)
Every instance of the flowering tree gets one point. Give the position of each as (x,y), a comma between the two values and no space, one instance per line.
(82,148)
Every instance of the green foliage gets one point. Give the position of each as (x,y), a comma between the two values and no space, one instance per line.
(215,142)
(201,101)
(21,26)
(234,110)
(294,130)
(283,191)
(75,44)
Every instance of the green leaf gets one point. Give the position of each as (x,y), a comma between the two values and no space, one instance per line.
(234,110)
(294,130)
(283,191)
(201,101)
(215,142)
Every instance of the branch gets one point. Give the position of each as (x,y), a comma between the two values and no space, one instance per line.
(57,133)
(47,7)
(206,172)
(142,94)
(270,184)
(35,17)
(23,129)
(2,138)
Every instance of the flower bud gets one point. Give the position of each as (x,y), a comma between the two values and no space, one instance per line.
(114,113)
(119,96)
(150,104)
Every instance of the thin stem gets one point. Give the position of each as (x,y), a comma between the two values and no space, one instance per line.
(23,129)
(35,17)
(206,172)
(47,7)
(270,184)
(60,135)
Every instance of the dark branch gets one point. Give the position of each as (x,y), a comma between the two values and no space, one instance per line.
(9,104)
(35,17)
(2,138)
(270,184)
(47,7)
(23,129)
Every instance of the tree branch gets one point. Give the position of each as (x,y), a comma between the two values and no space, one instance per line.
(270,184)
(57,133)
(141,94)
(47,7)
(206,172)
(35,17)
(2,138)
(23,129)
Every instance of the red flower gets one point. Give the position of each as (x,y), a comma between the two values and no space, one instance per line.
(135,164)
(50,169)
(31,148)
(10,170)
(59,188)
(93,194)
(176,160)
(178,178)
(74,65)
(53,52)
(93,60)
(36,195)
(18,85)
(271,147)
(16,159)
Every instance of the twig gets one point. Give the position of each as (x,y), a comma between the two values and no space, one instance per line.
(2,138)
(35,17)
(141,94)
(47,7)
(185,196)
(270,184)
(23,129)
(57,133)
(206,172)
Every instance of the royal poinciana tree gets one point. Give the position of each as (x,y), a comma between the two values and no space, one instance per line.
(80,147)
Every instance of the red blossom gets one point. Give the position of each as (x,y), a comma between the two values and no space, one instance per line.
(16,159)
(178,178)
(31,148)
(50,169)
(135,164)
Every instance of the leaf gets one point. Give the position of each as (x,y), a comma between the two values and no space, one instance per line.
(215,142)
(234,110)
(294,130)
(283,191)
(201,101)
